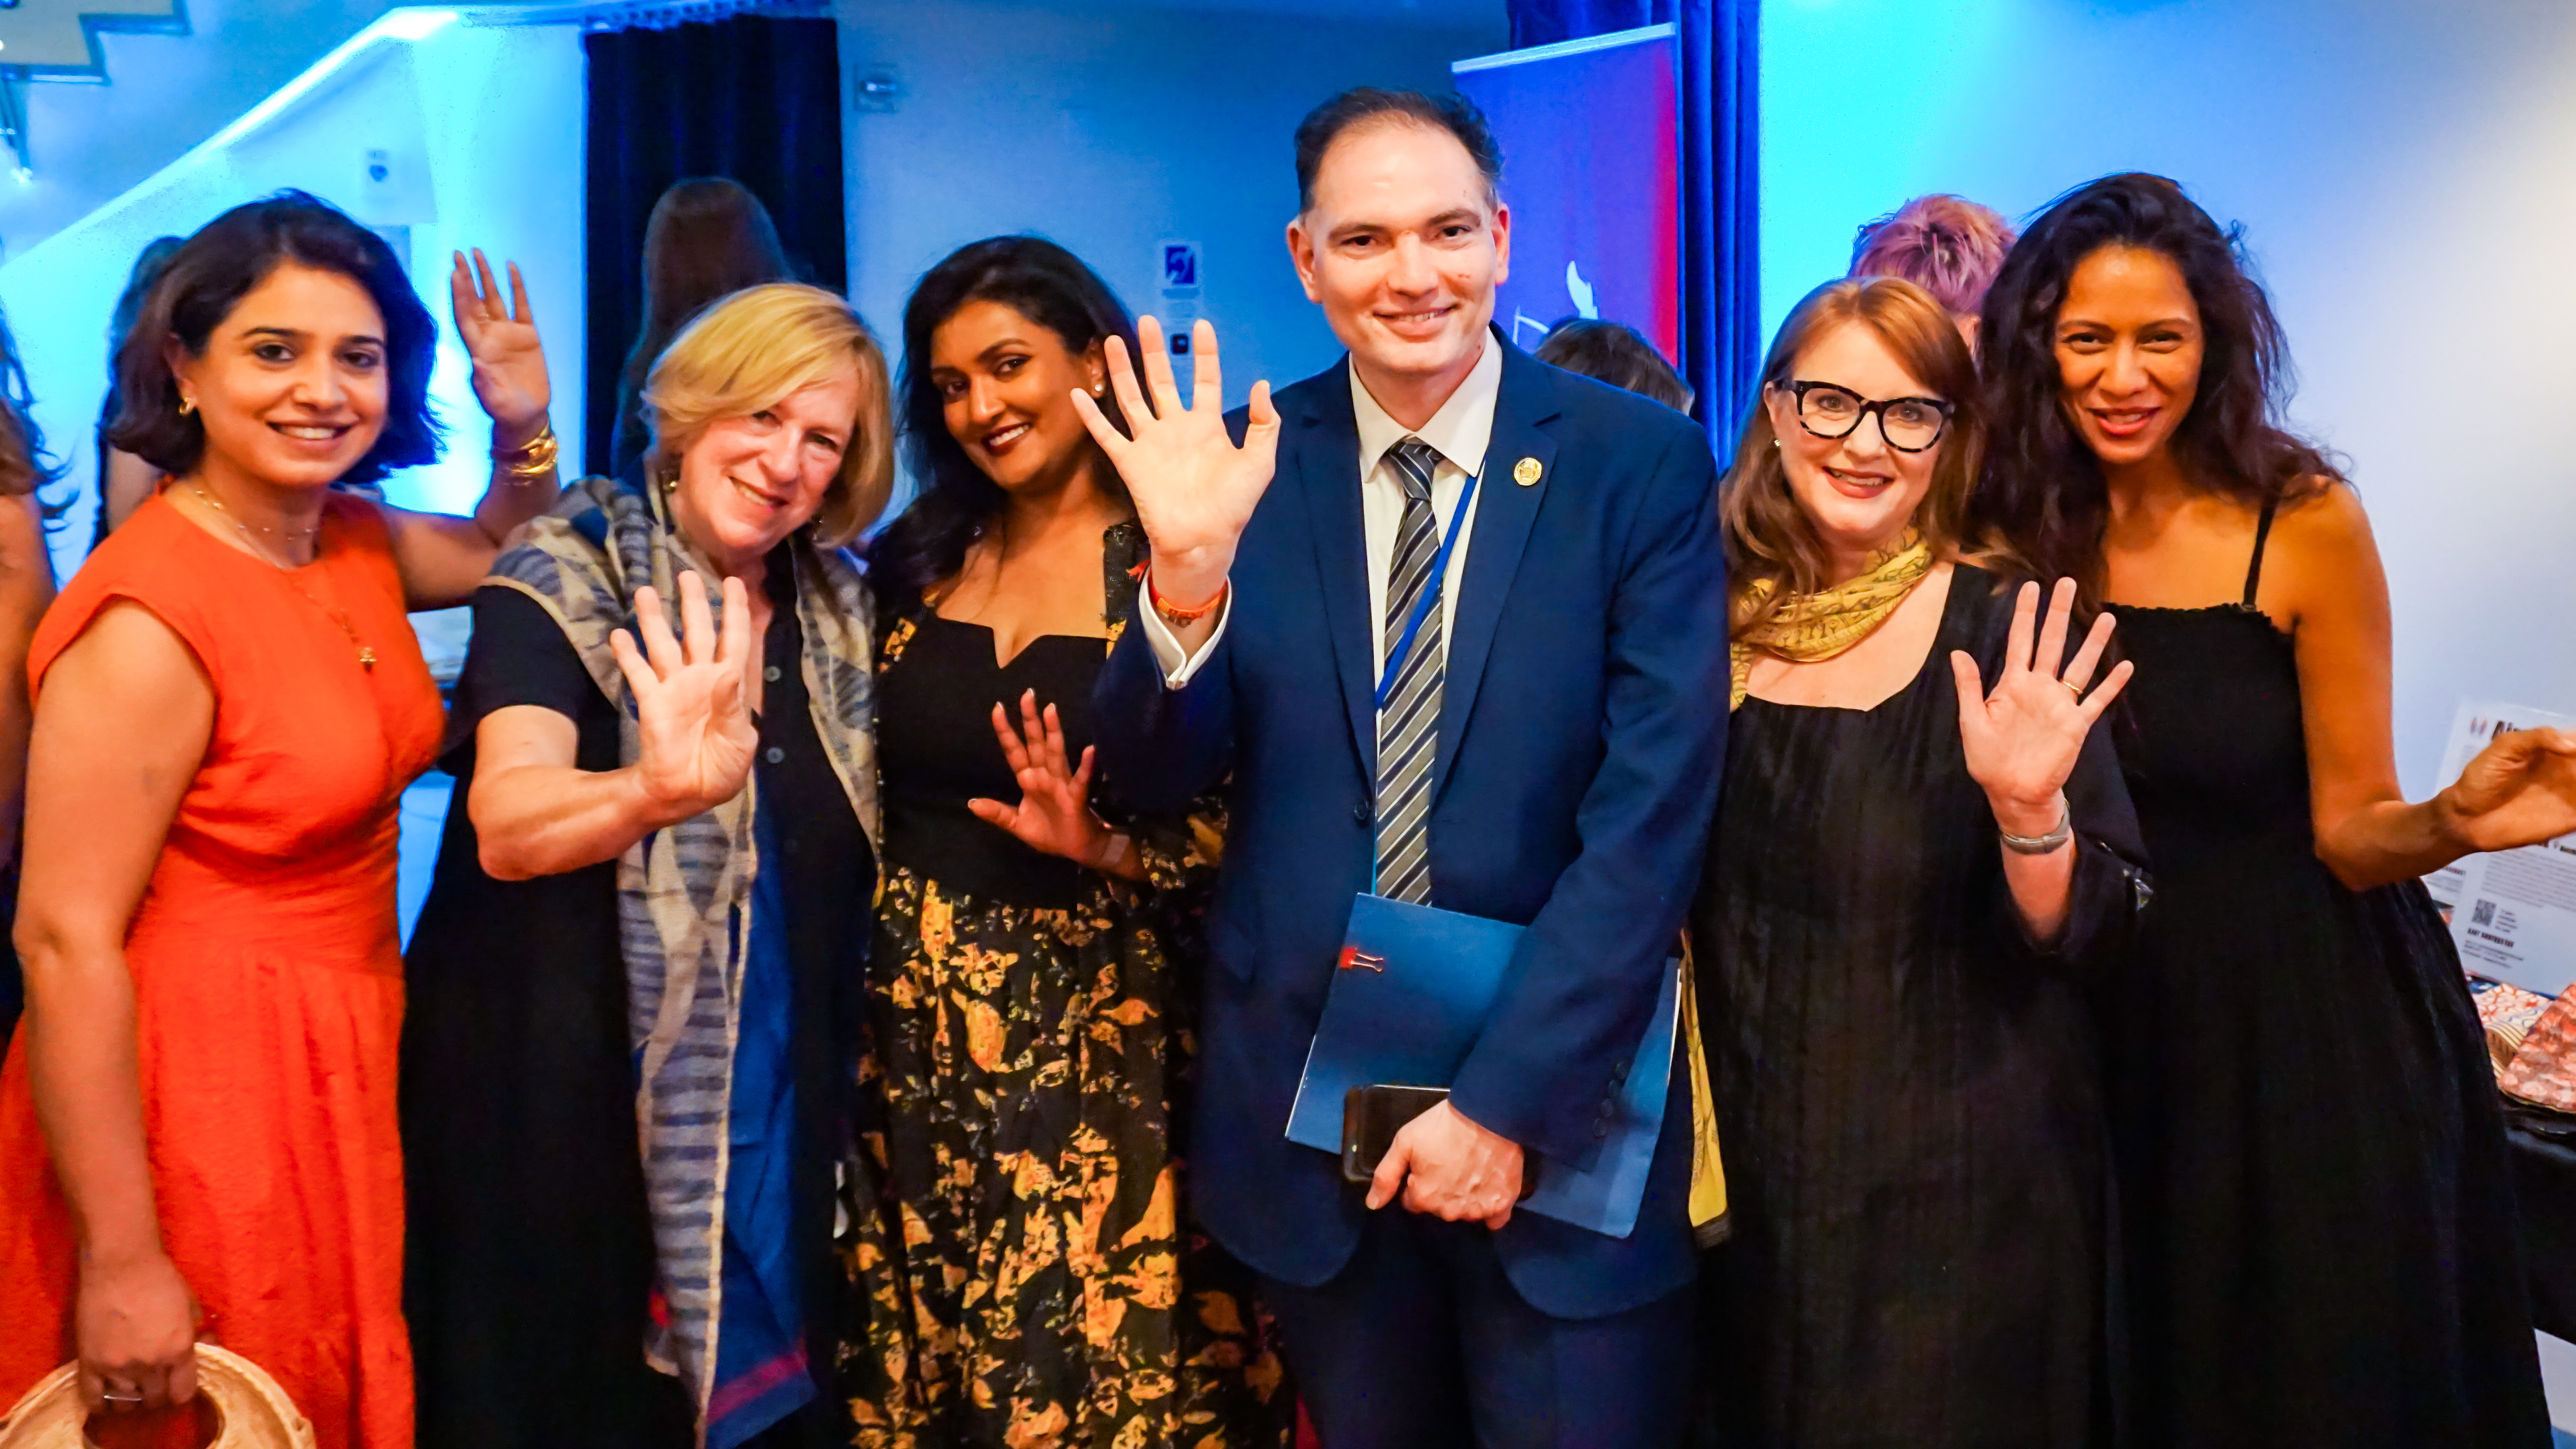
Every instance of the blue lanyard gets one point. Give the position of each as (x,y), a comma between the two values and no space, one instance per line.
(1431,591)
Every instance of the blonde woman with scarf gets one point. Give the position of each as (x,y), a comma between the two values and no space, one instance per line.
(1924,854)
(629,1067)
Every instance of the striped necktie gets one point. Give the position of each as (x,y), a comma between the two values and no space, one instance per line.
(1408,728)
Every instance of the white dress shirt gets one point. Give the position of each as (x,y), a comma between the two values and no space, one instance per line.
(1460,432)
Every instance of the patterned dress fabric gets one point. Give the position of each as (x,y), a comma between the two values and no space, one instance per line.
(2320,1226)
(1028,1275)
(268,980)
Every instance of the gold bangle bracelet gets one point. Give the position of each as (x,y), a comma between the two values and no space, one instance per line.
(533,459)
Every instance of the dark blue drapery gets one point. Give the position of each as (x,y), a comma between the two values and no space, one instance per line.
(1720,246)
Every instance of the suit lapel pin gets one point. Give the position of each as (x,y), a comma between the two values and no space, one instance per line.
(1525,472)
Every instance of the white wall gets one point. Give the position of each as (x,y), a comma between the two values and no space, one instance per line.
(1110,130)
(2404,169)
(164,94)
(483,129)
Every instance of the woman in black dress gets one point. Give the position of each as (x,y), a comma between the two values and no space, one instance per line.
(1893,995)
(2319,1223)
(648,925)
(1038,1283)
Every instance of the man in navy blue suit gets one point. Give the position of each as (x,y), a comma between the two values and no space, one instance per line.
(1468,649)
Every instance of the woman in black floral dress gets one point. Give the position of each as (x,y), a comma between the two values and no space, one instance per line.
(1029,1276)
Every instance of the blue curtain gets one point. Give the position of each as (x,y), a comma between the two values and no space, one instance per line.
(1721,197)
(753,97)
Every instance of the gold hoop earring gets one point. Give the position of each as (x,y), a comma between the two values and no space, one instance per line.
(187,405)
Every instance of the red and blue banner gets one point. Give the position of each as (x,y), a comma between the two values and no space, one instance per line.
(1590,136)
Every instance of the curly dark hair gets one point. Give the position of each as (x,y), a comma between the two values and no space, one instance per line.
(1042,282)
(2042,490)
(224,262)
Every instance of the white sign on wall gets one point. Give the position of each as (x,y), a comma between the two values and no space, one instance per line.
(2513,912)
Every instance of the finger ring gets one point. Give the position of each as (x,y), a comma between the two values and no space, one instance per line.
(2073,688)
(126,1398)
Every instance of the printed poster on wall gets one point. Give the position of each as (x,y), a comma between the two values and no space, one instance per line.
(2513,912)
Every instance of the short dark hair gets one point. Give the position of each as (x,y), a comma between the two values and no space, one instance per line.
(1451,112)
(224,262)
(1618,354)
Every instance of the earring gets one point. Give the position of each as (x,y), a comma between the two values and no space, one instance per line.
(187,405)
(671,484)
(1775,442)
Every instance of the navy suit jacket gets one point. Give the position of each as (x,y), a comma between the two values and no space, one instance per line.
(1582,737)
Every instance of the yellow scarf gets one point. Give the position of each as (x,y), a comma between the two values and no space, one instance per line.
(1823,624)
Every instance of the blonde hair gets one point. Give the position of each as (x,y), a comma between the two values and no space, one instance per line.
(748,352)
(1767,535)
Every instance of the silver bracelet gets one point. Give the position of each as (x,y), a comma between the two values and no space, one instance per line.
(1113,854)
(2042,844)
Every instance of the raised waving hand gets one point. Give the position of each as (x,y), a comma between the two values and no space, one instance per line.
(1054,813)
(500,334)
(695,737)
(1194,490)
(2022,739)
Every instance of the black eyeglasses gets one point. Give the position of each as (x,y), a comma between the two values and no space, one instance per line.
(1909,424)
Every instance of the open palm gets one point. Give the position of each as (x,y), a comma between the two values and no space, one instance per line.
(501,336)
(1054,813)
(2023,738)
(693,726)
(1194,490)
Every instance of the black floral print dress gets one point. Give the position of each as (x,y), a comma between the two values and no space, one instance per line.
(1028,1276)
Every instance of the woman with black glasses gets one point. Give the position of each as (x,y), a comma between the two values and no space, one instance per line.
(1923,858)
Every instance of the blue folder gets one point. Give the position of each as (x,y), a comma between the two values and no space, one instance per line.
(1410,996)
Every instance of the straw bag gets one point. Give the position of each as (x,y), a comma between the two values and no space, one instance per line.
(251,1411)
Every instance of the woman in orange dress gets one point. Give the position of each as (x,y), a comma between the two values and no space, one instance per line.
(197,1131)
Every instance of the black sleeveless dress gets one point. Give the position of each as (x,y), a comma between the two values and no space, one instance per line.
(1907,1091)
(1029,1277)
(2318,1215)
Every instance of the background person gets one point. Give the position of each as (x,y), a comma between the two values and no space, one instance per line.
(198,1131)
(125,480)
(1548,756)
(2313,1182)
(1615,353)
(708,237)
(1029,990)
(1948,245)
(1913,886)
(566,1007)
(26,588)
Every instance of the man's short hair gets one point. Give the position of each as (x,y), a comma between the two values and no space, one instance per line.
(1363,105)
(1617,354)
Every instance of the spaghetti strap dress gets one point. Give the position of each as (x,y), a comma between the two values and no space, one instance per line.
(268,992)
(2314,1187)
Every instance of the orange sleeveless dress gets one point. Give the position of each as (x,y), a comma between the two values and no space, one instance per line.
(267,975)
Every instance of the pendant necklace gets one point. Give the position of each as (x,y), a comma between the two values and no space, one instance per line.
(366,652)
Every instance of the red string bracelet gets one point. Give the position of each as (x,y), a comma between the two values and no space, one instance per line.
(1180,617)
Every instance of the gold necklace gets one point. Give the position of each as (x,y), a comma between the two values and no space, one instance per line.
(366,653)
